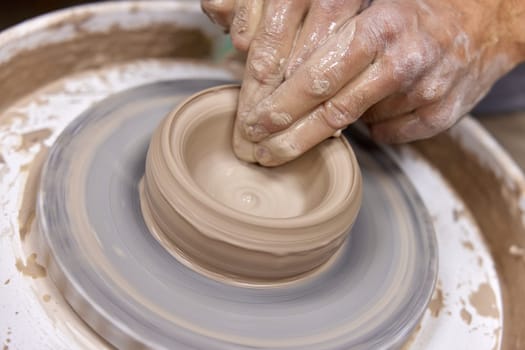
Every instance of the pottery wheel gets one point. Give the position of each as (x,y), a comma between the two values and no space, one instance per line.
(122,282)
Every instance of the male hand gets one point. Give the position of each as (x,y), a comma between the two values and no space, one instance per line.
(409,69)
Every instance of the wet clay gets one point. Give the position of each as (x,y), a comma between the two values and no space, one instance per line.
(241,220)
(26,213)
(436,303)
(31,268)
(34,137)
(518,252)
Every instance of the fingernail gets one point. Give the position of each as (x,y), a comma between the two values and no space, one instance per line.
(263,155)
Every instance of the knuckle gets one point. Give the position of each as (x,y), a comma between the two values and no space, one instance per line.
(264,64)
(320,83)
(271,36)
(254,133)
(424,54)
(436,122)
(406,68)
(435,85)
(385,23)
(286,148)
(335,114)
(340,114)
(432,91)
(411,60)
(278,150)
(279,120)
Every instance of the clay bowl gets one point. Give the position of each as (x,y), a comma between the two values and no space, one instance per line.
(237,221)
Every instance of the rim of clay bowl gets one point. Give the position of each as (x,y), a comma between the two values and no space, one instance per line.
(346,190)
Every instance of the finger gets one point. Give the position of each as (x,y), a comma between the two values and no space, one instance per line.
(321,77)
(370,87)
(333,115)
(269,49)
(219,11)
(322,20)
(391,107)
(293,142)
(343,57)
(247,17)
(242,148)
(423,123)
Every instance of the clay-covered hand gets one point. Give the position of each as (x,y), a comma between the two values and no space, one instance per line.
(280,35)
(408,68)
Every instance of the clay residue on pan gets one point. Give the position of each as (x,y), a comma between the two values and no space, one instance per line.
(484,301)
(497,333)
(31,268)
(26,213)
(517,251)
(408,344)
(493,207)
(34,137)
(7,281)
(46,298)
(25,221)
(457,214)
(34,68)
(436,303)
(74,19)
(468,245)
(480,261)
(466,316)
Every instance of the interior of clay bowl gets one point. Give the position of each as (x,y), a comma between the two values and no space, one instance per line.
(239,219)
(284,192)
